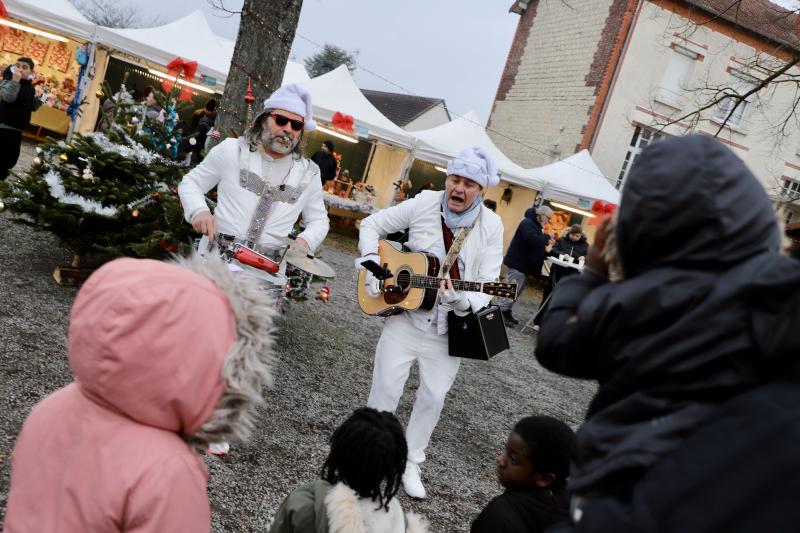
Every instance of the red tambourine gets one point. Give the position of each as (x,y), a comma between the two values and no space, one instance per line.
(250,257)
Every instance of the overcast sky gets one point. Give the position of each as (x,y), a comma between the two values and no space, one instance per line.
(451,49)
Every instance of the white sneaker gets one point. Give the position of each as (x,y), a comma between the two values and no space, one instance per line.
(412,483)
(219,448)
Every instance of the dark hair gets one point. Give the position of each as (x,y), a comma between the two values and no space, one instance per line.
(27,60)
(147,90)
(329,145)
(576,228)
(211,105)
(550,442)
(491,204)
(368,454)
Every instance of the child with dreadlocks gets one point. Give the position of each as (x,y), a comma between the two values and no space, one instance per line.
(533,468)
(360,479)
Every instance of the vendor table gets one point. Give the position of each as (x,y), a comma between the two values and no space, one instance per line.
(346,208)
(50,118)
(554,278)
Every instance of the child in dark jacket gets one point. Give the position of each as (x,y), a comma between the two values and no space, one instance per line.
(686,303)
(533,468)
(360,479)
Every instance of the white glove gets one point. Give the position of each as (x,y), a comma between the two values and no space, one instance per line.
(371,283)
(368,257)
(455,299)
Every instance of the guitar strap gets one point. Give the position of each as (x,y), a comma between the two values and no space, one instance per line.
(447,233)
(453,248)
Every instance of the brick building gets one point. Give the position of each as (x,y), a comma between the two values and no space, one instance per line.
(610,76)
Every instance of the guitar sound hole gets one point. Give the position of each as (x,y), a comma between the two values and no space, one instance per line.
(403,279)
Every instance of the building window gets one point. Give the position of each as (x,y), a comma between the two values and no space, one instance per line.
(788,216)
(676,78)
(641,137)
(790,189)
(740,82)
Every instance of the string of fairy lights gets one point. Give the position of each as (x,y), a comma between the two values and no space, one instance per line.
(287,41)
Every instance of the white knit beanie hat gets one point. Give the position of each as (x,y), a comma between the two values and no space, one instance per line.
(476,164)
(294,99)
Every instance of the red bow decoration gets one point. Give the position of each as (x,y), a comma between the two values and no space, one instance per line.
(174,70)
(342,122)
(602,210)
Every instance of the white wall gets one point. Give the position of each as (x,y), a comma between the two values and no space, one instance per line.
(435,116)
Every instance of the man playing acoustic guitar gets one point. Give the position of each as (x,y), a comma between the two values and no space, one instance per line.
(433,218)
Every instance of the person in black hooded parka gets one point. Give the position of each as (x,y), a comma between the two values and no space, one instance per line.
(695,350)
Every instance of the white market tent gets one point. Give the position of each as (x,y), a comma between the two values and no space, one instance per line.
(295,73)
(574,178)
(56,15)
(440,144)
(337,91)
(189,38)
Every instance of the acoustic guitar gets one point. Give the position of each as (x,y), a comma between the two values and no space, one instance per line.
(407,281)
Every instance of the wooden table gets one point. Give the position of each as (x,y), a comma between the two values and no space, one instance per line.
(50,118)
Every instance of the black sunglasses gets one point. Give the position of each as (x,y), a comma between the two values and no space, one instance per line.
(281,120)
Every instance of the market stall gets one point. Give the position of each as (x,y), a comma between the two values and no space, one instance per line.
(189,38)
(49,33)
(348,117)
(575,180)
(574,188)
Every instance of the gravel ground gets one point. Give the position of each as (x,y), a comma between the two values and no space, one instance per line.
(325,364)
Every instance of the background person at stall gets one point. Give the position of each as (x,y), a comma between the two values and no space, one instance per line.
(526,254)
(325,161)
(17,102)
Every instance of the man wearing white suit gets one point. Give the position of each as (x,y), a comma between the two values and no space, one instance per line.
(421,335)
(263,181)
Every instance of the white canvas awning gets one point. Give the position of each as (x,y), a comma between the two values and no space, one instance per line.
(336,91)
(56,15)
(440,144)
(575,180)
(189,38)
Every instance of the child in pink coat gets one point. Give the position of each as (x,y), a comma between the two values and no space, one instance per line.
(167,357)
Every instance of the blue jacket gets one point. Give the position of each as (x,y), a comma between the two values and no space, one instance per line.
(526,251)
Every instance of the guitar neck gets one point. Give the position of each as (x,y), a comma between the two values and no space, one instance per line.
(431,282)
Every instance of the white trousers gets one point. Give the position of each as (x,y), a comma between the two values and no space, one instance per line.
(401,344)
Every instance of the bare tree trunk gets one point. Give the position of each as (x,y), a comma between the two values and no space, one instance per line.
(266,32)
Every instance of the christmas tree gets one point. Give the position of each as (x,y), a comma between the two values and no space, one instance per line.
(113,192)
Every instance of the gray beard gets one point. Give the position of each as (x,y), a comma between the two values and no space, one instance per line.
(280,144)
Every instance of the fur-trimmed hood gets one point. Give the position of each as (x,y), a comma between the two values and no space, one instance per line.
(184,345)
(163,354)
(348,513)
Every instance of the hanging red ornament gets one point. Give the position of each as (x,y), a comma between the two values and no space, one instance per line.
(249,99)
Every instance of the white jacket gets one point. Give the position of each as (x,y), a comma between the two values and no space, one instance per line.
(235,205)
(479,260)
